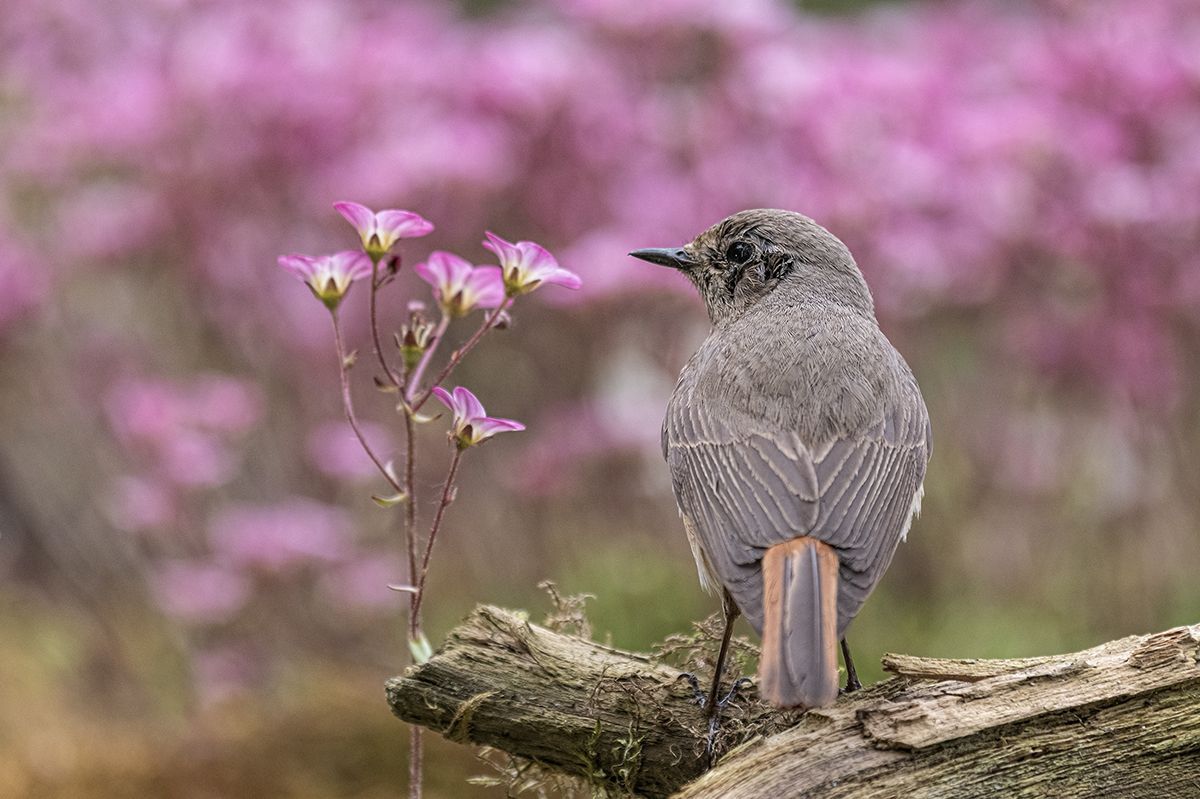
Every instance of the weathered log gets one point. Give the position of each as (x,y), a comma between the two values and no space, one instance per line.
(610,717)
(1121,719)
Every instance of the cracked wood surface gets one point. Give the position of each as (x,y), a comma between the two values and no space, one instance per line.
(1121,719)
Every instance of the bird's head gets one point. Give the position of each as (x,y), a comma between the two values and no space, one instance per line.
(753,254)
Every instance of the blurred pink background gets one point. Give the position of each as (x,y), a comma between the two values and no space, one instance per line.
(193,594)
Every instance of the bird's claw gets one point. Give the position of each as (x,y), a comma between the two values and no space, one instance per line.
(697,694)
(714,716)
(733,689)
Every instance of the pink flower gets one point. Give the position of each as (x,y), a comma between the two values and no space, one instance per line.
(363,582)
(379,230)
(274,538)
(333,449)
(471,423)
(137,503)
(329,276)
(196,459)
(459,286)
(198,592)
(526,265)
(224,404)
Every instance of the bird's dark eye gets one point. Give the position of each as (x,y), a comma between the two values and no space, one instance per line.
(739,252)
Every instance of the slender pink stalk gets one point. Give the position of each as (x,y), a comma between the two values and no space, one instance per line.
(415,745)
(391,376)
(415,757)
(348,403)
(461,352)
(410,520)
(414,379)
(447,493)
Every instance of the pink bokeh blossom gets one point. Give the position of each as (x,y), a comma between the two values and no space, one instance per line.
(291,533)
(200,592)
(185,430)
(138,504)
(363,583)
(335,451)
(1057,137)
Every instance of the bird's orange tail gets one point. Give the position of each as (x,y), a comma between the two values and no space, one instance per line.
(798,667)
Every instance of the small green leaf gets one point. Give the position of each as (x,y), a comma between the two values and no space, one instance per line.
(384,385)
(420,649)
(389,502)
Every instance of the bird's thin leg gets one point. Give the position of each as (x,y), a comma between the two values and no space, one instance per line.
(714,706)
(852,683)
(731,613)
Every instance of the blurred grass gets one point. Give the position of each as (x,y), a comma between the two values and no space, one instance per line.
(324,730)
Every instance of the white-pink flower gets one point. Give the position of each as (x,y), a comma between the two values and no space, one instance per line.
(459,286)
(526,265)
(329,276)
(471,423)
(379,230)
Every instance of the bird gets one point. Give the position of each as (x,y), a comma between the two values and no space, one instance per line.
(797,441)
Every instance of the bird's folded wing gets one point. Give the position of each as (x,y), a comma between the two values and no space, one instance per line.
(745,487)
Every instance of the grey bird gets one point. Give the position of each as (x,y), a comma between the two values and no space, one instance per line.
(797,441)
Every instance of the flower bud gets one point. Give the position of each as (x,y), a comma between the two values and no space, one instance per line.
(414,339)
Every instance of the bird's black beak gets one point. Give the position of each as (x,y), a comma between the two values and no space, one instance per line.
(674,257)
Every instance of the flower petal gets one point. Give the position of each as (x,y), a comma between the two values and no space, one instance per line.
(471,407)
(505,250)
(488,426)
(395,224)
(565,278)
(300,266)
(432,272)
(484,287)
(536,260)
(449,272)
(447,399)
(351,264)
(358,215)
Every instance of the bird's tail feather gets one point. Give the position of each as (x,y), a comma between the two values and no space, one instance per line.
(798,667)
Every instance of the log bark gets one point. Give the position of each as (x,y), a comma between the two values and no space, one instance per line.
(1121,719)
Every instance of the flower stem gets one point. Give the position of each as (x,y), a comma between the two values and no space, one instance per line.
(348,403)
(410,520)
(413,380)
(415,747)
(460,353)
(414,762)
(447,494)
(392,377)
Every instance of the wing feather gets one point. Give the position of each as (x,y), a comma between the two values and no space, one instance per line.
(745,487)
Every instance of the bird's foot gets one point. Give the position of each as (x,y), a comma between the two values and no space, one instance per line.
(701,698)
(738,684)
(714,713)
(698,695)
(714,718)
(852,685)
